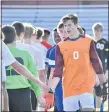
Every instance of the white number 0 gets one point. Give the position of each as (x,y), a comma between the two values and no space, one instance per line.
(75,55)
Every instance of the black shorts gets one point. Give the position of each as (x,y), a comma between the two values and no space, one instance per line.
(33,100)
(20,99)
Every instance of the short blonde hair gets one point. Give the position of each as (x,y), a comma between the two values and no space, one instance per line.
(97,26)
(29,30)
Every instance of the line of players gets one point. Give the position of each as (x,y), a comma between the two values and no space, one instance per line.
(71,65)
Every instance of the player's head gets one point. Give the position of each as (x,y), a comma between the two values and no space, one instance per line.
(46,35)
(9,33)
(70,22)
(56,36)
(97,29)
(29,30)
(38,34)
(61,31)
(19,27)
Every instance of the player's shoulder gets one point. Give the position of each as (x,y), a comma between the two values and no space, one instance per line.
(53,49)
(19,52)
(63,42)
(103,40)
(49,50)
(88,37)
(35,49)
(22,51)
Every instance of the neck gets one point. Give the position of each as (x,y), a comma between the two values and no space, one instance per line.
(27,41)
(12,44)
(74,35)
(18,39)
(98,38)
(37,41)
(45,40)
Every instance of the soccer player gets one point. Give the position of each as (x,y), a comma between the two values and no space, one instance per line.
(51,63)
(37,55)
(44,42)
(101,45)
(24,42)
(3,91)
(76,63)
(36,43)
(36,39)
(20,36)
(45,39)
(17,86)
(59,35)
(19,68)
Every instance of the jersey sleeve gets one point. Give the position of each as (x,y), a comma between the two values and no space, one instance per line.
(59,63)
(7,56)
(51,59)
(95,60)
(47,57)
(32,69)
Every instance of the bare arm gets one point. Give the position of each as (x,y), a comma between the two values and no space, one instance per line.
(5,101)
(96,63)
(42,76)
(51,73)
(25,72)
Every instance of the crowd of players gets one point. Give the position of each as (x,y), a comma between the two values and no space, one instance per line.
(72,73)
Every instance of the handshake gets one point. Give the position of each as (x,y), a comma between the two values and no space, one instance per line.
(48,95)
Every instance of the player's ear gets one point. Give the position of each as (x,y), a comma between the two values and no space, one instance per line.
(77,25)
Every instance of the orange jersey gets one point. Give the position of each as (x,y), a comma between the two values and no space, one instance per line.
(78,74)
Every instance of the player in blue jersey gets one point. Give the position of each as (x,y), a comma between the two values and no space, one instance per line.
(59,34)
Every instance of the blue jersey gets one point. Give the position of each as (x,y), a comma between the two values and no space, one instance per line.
(47,57)
(58,91)
(51,60)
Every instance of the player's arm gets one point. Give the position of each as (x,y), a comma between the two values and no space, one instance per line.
(36,88)
(25,72)
(32,69)
(58,69)
(51,73)
(96,63)
(10,60)
(41,68)
(51,63)
(106,50)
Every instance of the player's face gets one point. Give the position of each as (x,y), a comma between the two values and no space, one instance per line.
(70,27)
(98,33)
(57,38)
(62,33)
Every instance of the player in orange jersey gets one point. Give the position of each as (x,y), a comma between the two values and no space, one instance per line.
(77,63)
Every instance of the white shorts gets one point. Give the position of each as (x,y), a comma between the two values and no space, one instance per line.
(74,103)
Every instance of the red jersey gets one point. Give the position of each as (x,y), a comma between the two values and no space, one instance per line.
(47,45)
